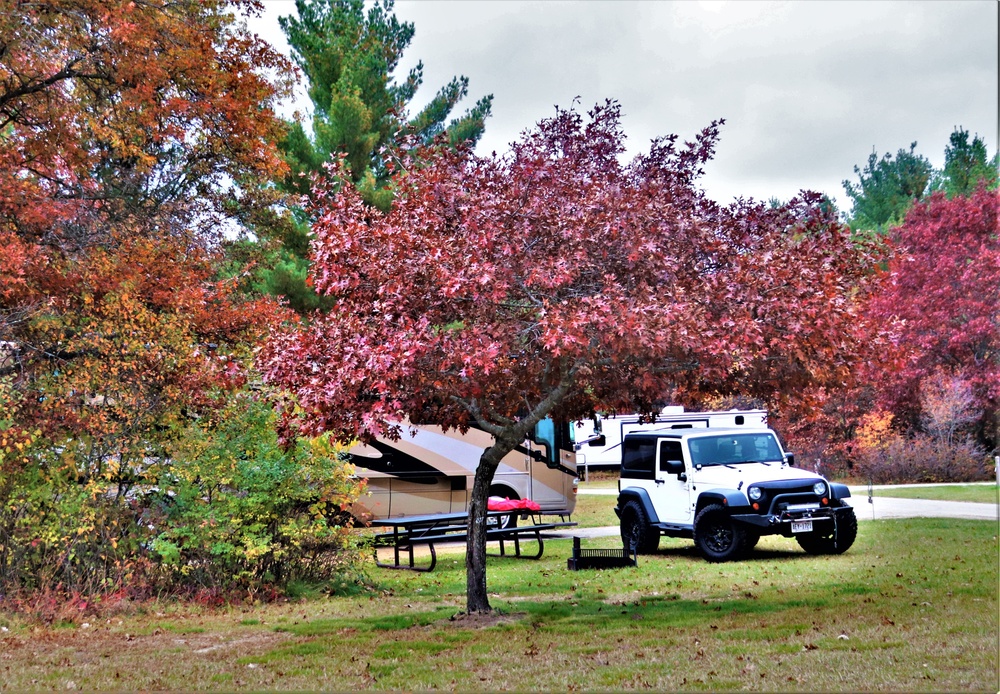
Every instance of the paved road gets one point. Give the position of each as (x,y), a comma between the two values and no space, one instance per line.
(889,507)
(882,507)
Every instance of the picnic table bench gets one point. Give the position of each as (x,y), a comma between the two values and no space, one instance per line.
(412,531)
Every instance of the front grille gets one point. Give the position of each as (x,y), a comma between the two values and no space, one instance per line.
(777,495)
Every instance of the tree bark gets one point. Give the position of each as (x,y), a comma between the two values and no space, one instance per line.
(476,598)
(506,438)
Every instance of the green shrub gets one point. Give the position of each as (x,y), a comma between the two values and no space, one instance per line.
(219,507)
(240,511)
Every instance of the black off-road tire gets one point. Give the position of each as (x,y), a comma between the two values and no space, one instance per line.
(751,541)
(716,536)
(831,541)
(636,530)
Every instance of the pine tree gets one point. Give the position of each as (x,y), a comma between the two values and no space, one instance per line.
(348,56)
(886,189)
(966,165)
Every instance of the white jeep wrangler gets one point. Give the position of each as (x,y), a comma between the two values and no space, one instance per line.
(725,488)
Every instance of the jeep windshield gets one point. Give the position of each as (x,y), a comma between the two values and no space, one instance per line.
(734,449)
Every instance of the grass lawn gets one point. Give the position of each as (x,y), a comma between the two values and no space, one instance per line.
(601,480)
(911,607)
(595,510)
(981,493)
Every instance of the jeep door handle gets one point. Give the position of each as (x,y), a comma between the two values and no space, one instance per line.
(659,481)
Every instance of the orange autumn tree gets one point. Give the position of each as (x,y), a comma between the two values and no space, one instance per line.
(132,135)
(114,111)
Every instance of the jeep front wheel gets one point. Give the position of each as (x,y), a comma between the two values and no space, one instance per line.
(836,540)
(716,536)
(636,530)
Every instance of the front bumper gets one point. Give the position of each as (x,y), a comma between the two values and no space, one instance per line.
(780,522)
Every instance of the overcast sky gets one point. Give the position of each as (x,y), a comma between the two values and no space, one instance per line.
(807,88)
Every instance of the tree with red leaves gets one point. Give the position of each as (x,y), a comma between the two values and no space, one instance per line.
(557,281)
(940,305)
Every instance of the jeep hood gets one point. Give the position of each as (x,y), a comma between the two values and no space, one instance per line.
(721,476)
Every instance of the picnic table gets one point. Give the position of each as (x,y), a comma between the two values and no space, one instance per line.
(408,532)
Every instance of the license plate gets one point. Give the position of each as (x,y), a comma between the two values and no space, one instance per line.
(802,526)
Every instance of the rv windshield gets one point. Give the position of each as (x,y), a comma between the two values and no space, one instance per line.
(733,449)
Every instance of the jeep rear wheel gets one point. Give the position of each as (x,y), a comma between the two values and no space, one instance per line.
(716,536)
(636,530)
(835,540)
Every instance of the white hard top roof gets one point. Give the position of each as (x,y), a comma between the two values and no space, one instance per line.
(701,432)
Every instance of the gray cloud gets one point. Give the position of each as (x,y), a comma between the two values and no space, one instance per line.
(807,88)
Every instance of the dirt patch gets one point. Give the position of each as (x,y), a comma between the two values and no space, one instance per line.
(85,645)
(479,620)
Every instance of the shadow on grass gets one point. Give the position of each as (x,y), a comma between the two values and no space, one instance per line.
(689,552)
(654,611)
(320,627)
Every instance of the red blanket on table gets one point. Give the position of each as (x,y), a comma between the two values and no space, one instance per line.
(495,503)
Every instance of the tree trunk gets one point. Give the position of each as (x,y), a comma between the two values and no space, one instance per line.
(505,439)
(476,598)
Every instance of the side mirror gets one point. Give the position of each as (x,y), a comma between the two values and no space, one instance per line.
(672,467)
(790,459)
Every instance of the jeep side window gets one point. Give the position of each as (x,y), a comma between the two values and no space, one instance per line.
(670,452)
(638,457)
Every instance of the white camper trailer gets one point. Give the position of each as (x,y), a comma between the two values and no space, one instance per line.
(600,439)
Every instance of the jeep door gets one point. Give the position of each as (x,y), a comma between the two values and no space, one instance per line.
(672,496)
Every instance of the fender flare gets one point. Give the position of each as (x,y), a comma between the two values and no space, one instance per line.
(839,491)
(730,498)
(640,495)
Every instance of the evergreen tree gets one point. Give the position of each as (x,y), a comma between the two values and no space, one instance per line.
(966,164)
(886,189)
(348,56)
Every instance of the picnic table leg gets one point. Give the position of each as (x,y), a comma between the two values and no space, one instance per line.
(516,538)
(412,562)
(541,546)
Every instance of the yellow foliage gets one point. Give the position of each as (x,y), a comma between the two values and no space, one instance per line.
(875,431)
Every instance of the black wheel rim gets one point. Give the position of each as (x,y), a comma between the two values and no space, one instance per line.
(719,537)
(632,530)
(499,522)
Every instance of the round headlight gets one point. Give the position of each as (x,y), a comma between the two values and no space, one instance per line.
(754,493)
(819,488)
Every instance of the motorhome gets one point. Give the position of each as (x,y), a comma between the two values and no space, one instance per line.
(429,470)
(600,439)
